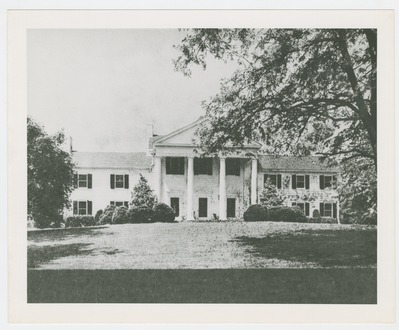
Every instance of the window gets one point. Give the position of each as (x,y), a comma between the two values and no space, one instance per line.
(275,180)
(203,207)
(328,210)
(175,165)
(203,166)
(119,181)
(305,207)
(233,166)
(328,181)
(119,203)
(82,207)
(300,181)
(83,180)
(175,205)
(231,207)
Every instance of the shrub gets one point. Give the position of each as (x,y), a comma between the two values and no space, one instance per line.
(286,214)
(328,220)
(98,215)
(120,215)
(369,219)
(314,220)
(106,217)
(142,214)
(142,194)
(316,214)
(80,221)
(163,213)
(255,213)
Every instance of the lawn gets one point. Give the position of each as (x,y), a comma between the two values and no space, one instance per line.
(204,262)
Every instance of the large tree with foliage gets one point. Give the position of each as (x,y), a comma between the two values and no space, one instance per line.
(301,91)
(50,176)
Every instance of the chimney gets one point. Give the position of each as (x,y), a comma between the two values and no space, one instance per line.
(70,145)
(150,134)
(150,131)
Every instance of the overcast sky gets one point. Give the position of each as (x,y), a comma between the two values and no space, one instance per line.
(104,86)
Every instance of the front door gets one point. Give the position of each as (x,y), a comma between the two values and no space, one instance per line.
(203,207)
(231,207)
(175,205)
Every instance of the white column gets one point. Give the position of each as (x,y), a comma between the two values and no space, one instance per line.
(158,178)
(254,179)
(190,187)
(222,190)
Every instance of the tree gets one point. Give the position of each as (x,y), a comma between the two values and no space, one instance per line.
(301,91)
(289,83)
(270,196)
(50,176)
(142,194)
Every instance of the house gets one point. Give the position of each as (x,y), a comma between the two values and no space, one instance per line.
(202,187)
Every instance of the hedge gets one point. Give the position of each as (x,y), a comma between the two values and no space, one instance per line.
(80,221)
(286,214)
(120,215)
(141,214)
(163,213)
(106,217)
(256,212)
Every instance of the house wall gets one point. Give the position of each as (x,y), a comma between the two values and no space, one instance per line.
(314,195)
(101,193)
(204,186)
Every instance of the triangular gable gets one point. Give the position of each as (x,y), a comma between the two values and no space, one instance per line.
(183,135)
(186,135)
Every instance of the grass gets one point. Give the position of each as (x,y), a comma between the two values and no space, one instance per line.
(204,263)
(300,286)
(327,248)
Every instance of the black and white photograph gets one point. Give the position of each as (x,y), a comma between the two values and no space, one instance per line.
(202,165)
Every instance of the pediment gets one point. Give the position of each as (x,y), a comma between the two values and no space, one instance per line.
(185,136)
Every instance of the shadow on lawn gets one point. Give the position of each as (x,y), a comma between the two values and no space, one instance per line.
(284,286)
(38,255)
(56,235)
(328,248)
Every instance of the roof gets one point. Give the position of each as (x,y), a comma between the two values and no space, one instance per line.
(296,164)
(137,160)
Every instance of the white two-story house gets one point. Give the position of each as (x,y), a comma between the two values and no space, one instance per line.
(221,186)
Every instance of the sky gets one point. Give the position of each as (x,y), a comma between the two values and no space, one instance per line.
(103,87)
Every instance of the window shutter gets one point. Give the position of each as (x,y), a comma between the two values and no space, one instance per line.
(126,181)
(89,207)
(307,181)
(322,209)
(75,180)
(75,207)
(334,183)
(335,210)
(279,181)
(112,203)
(112,181)
(321,181)
(89,181)
(294,181)
(126,204)
(266,176)
(307,209)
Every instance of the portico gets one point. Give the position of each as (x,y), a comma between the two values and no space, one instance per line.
(203,187)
